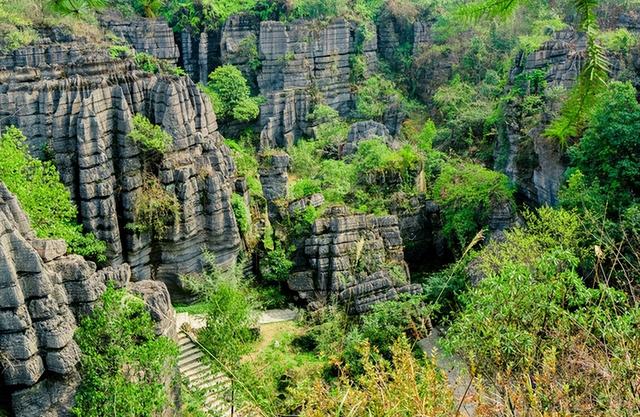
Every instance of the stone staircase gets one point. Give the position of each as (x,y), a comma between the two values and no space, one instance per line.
(200,377)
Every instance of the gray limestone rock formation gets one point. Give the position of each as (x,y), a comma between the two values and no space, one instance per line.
(366,130)
(153,36)
(273,173)
(43,294)
(75,102)
(292,65)
(357,258)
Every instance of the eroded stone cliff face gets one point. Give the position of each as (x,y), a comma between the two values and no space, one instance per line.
(357,259)
(43,294)
(293,66)
(75,104)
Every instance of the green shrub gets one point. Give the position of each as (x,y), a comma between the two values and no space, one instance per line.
(230,94)
(219,11)
(609,152)
(619,40)
(247,167)
(231,310)
(375,159)
(148,8)
(426,136)
(275,266)
(17,39)
(241,213)
(246,110)
(43,197)
(147,62)
(467,194)
(155,209)
(123,364)
(305,187)
(532,316)
(151,137)
(374,97)
(119,51)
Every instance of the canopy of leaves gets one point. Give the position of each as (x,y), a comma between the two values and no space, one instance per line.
(609,151)
(230,94)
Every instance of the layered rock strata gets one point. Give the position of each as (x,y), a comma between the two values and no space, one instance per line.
(153,36)
(357,259)
(292,65)
(43,294)
(75,104)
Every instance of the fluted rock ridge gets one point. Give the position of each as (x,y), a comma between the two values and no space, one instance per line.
(75,104)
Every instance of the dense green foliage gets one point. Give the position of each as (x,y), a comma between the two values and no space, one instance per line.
(468,194)
(609,152)
(124,365)
(230,306)
(230,94)
(151,137)
(532,315)
(43,197)
(241,213)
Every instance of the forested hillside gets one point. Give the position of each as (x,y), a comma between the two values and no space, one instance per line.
(444,194)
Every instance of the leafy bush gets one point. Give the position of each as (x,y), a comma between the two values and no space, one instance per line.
(124,364)
(305,187)
(230,94)
(241,213)
(543,337)
(374,160)
(148,8)
(231,310)
(151,137)
(154,209)
(467,194)
(247,166)
(43,197)
(375,95)
(119,51)
(149,63)
(609,152)
(246,110)
(219,11)
(619,40)
(275,266)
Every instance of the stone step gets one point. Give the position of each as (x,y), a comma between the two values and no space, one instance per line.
(189,357)
(215,380)
(213,385)
(193,369)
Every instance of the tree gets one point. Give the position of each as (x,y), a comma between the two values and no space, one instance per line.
(609,152)
(230,94)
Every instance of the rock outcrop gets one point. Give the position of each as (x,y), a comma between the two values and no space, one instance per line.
(43,294)
(75,104)
(153,36)
(292,65)
(357,259)
(274,177)
(366,130)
